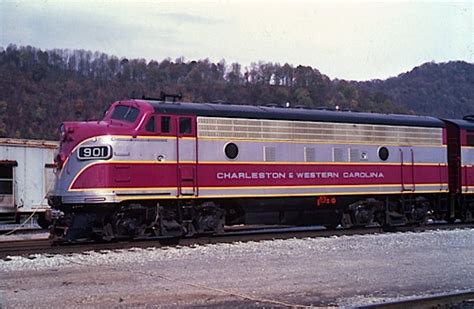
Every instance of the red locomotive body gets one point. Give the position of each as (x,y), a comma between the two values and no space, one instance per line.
(461,167)
(154,168)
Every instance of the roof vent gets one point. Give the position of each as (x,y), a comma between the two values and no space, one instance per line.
(300,107)
(468,117)
(163,97)
(219,102)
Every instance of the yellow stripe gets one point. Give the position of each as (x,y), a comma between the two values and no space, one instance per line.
(256,187)
(315,187)
(126,189)
(267,163)
(140,162)
(277,195)
(318,163)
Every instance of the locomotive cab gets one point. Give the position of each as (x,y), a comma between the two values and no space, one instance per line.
(86,142)
(122,166)
(120,119)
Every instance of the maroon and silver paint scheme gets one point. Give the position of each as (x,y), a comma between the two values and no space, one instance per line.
(461,166)
(156,168)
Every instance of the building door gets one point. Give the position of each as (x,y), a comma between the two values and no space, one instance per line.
(7,185)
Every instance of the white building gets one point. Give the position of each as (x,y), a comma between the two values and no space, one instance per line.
(26,175)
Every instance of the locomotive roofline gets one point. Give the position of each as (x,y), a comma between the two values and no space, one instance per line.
(461,123)
(275,113)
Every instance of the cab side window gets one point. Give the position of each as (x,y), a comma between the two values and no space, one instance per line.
(125,113)
(185,126)
(470,137)
(165,124)
(150,125)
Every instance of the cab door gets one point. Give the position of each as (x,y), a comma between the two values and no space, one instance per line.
(407,169)
(186,159)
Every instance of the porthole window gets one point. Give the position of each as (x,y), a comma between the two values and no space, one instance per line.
(383,153)
(231,151)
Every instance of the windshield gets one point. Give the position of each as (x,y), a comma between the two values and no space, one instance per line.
(126,113)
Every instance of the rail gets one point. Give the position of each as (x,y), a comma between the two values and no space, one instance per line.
(463,299)
(44,246)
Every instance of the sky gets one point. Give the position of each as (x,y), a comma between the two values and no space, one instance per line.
(353,40)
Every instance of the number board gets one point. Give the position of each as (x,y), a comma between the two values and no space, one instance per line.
(94,152)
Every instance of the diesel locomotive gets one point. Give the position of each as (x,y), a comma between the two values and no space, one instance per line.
(153,168)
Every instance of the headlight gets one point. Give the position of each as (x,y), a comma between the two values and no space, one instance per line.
(62,133)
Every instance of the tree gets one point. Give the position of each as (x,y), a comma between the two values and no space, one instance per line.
(44,88)
(3,110)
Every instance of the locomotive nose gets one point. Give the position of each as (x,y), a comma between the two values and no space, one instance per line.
(59,160)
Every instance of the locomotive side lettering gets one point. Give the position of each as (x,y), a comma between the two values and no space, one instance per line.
(253,175)
(363,175)
(298,175)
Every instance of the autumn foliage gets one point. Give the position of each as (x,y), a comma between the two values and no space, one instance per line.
(39,89)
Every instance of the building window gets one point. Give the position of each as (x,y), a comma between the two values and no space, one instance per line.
(6,184)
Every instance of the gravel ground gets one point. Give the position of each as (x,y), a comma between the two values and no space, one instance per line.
(25,236)
(335,271)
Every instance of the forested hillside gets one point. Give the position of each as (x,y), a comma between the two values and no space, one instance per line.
(39,89)
(442,90)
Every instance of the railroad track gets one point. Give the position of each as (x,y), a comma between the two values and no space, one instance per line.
(463,299)
(28,248)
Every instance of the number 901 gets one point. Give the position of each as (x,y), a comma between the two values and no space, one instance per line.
(94,152)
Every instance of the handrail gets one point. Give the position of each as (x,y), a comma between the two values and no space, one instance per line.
(440,177)
(413,168)
(465,178)
(401,169)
